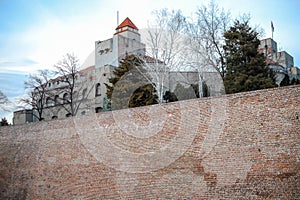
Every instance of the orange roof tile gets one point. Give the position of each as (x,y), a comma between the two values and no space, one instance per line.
(127,22)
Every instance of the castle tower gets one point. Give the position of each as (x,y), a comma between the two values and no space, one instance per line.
(268,47)
(125,41)
(128,30)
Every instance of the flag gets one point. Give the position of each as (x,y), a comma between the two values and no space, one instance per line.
(272,26)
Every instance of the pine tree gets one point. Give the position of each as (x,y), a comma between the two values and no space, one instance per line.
(4,122)
(285,81)
(143,96)
(295,81)
(170,96)
(126,65)
(130,90)
(204,88)
(245,66)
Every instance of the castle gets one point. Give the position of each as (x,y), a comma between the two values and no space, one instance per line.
(90,90)
(280,62)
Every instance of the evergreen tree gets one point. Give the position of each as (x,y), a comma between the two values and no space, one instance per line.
(184,93)
(143,96)
(285,81)
(245,66)
(206,92)
(130,90)
(170,97)
(295,81)
(126,65)
(4,122)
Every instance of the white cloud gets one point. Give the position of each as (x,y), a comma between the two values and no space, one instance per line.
(17,66)
(54,38)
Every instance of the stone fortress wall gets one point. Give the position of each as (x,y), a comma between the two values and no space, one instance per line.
(239,146)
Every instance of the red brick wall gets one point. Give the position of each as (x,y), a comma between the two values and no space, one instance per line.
(241,146)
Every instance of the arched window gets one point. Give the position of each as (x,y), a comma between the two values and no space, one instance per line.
(98,89)
(98,109)
(36,89)
(66,98)
(56,100)
(49,102)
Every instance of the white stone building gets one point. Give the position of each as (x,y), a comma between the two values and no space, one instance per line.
(90,89)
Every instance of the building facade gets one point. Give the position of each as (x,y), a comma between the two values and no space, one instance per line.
(269,48)
(23,116)
(280,62)
(90,90)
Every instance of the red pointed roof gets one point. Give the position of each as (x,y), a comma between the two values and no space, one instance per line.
(127,22)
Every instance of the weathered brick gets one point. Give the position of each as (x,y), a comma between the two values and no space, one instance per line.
(239,146)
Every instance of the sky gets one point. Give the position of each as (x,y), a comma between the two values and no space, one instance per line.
(35,34)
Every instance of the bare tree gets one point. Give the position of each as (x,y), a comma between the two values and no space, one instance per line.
(4,102)
(37,92)
(71,91)
(3,98)
(163,41)
(206,38)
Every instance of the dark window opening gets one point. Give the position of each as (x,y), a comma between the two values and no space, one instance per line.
(56,100)
(66,98)
(98,89)
(98,109)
